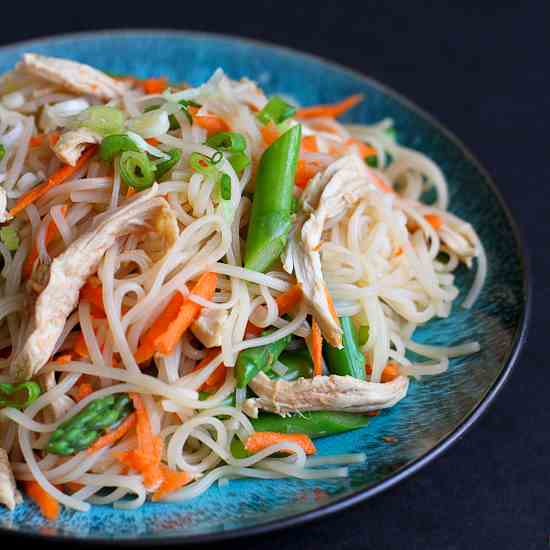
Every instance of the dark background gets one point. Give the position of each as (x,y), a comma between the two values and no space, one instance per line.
(483,71)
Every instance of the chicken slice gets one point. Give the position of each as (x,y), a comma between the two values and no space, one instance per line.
(165,233)
(9,495)
(73,76)
(71,144)
(325,393)
(68,273)
(337,189)
(209,326)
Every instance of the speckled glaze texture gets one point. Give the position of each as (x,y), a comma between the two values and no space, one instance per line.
(436,409)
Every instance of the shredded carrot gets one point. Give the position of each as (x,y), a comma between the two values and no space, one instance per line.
(270,133)
(154,85)
(152,141)
(305,170)
(434,220)
(92,292)
(331,307)
(187,314)
(80,347)
(36,141)
(53,138)
(84,390)
(172,481)
(73,486)
(64,173)
(398,251)
(217,378)
(285,303)
(130,192)
(390,372)
(309,144)
(212,123)
(381,184)
(363,149)
(261,440)
(51,233)
(334,110)
(48,505)
(114,435)
(63,359)
(316,349)
(372,413)
(146,348)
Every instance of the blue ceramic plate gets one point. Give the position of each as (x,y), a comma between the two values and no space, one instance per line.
(436,411)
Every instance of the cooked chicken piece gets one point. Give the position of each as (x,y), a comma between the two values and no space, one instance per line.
(71,144)
(460,238)
(73,76)
(9,495)
(68,273)
(338,188)
(325,393)
(209,326)
(166,233)
(3,206)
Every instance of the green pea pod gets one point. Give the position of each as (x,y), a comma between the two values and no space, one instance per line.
(253,360)
(271,216)
(19,396)
(349,360)
(298,364)
(82,430)
(114,145)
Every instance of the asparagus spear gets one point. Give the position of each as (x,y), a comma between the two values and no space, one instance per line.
(349,360)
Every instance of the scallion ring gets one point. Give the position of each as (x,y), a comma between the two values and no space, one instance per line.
(137,170)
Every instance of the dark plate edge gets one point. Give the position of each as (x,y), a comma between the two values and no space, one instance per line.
(411,468)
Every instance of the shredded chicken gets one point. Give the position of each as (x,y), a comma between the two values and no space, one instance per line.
(460,238)
(327,195)
(3,206)
(328,393)
(209,326)
(71,144)
(68,273)
(73,76)
(165,233)
(9,495)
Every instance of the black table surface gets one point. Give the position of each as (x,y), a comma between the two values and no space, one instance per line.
(483,72)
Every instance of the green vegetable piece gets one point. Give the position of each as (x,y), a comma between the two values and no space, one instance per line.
(101,119)
(297,362)
(225,187)
(239,161)
(237,449)
(228,142)
(2,151)
(164,166)
(10,237)
(114,145)
(348,361)
(363,335)
(276,110)
(137,170)
(252,360)
(391,133)
(372,161)
(18,396)
(229,401)
(205,165)
(313,423)
(83,429)
(271,216)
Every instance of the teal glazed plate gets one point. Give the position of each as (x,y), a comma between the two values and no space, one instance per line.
(437,410)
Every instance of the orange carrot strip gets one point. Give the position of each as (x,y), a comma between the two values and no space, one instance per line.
(434,220)
(48,505)
(379,182)
(331,305)
(218,376)
(188,313)
(270,133)
(114,435)
(73,486)
(83,391)
(364,149)
(92,292)
(154,85)
(305,170)
(334,110)
(260,440)
(53,138)
(146,348)
(36,141)
(173,480)
(63,359)
(64,173)
(130,192)
(309,144)
(212,123)
(390,372)
(80,347)
(152,141)
(51,233)
(316,349)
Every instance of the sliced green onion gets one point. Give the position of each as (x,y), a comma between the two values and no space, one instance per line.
(229,142)
(225,187)
(372,161)
(2,151)
(239,161)
(113,145)
(276,110)
(151,124)
(204,165)
(216,158)
(101,119)
(10,237)
(164,166)
(137,170)
(10,394)
(363,334)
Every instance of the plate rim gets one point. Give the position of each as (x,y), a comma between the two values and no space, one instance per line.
(444,444)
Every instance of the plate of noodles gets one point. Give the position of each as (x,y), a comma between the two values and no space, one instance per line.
(241,287)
